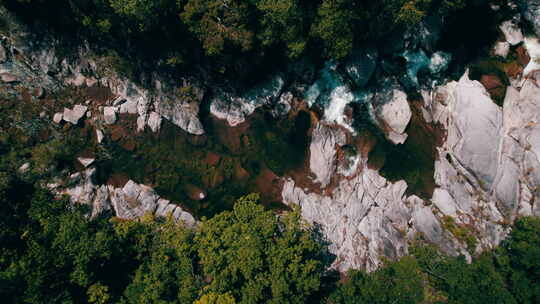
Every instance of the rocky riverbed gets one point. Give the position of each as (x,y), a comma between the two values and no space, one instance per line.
(390,145)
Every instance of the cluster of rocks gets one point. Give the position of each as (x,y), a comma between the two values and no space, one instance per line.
(128,202)
(487,170)
(38,62)
(486,173)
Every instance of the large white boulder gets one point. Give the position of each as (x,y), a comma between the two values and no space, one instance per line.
(393,113)
(154,121)
(57,118)
(322,152)
(74,115)
(511,31)
(109,115)
(473,134)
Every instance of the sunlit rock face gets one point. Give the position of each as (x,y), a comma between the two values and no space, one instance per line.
(532,44)
(485,173)
(128,202)
(39,65)
(392,112)
(476,123)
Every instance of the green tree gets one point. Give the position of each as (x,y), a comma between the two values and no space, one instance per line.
(217,23)
(478,282)
(145,13)
(283,22)
(334,26)
(396,282)
(98,293)
(168,275)
(519,260)
(214,298)
(257,257)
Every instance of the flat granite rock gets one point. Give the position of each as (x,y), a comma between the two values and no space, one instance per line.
(74,115)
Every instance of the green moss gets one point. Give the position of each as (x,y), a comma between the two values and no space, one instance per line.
(461,232)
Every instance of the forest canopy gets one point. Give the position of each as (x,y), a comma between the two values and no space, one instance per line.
(232,32)
(52,252)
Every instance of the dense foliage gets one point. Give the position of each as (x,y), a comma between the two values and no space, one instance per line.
(234,34)
(53,253)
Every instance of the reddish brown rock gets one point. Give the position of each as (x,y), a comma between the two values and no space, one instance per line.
(230,137)
(269,185)
(118,180)
(513,69)
(213,180)
(118,132)
(193,192)
(130,144)
(212,159)
(240,173)
(522,55)
(39,92)
(491,81)
(495,86)
(365,142)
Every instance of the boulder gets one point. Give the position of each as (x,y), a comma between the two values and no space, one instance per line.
(99,135)
(322,159)
(129,106)
(154,121)
(511,31)
(393,113)
(532,44)
(235,109)
(474,131)
(24,168)
(86,161)
(109,115)
(74,115)
(57,118)
(133,200)
(501,48)
(84,191)
(141,123)
(101,203)
(184,115)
